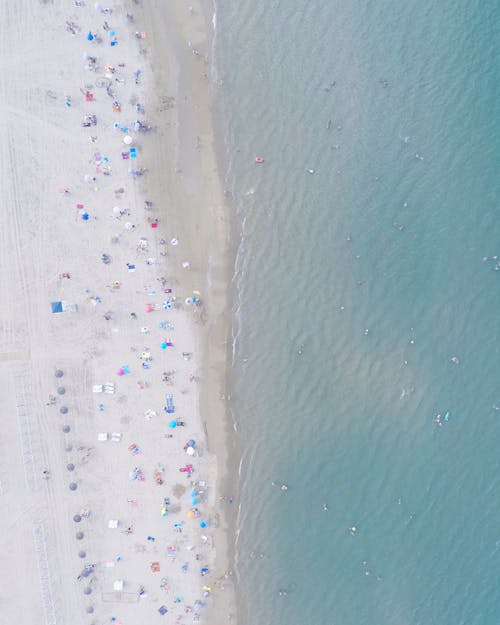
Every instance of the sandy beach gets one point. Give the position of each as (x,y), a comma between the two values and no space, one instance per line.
(114,273)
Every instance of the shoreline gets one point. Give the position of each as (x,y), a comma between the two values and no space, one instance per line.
(185,246)
(216,338)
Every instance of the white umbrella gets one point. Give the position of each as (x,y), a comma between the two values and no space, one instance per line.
(190,451)
(127,139)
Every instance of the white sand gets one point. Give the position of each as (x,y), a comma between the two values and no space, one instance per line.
(44,149)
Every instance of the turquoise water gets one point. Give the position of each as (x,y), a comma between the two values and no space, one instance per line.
(354,287)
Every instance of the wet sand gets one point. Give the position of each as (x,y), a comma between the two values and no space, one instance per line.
(71,193)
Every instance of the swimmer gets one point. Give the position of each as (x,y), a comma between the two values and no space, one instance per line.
(284,487)
(454,360)
(353,530)
(283,593)
(325,507)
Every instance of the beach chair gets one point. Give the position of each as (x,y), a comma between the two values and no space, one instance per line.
(102,437)
(116,437)
(98,388)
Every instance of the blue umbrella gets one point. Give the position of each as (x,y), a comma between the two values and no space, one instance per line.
(173,424)
(203,524)
(194,501)
(90,37)
(193,492)
(85,216)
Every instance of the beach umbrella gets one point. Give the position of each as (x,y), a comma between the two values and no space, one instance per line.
(203,524)
(89,609)
(61,390)
(87,590)
(85,216)
(194,501)
(66,429)
(117,125)
(127,140)
(193,492)
(79,536)
(63,409)
(58,373)
(163,345)
(173,424)
(90,37)
(77,518)
(190,514)
(73,486)
(68,448)
(190,451)
(191,443)
(82,554)
(70,466)
(120,372)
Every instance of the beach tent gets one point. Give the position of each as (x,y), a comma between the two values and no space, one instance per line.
(61,306)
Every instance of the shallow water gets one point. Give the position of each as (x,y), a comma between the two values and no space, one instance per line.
(355,286)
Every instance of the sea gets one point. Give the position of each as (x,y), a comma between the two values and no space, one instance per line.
(366,297)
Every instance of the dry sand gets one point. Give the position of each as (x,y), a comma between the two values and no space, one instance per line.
(51,165)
